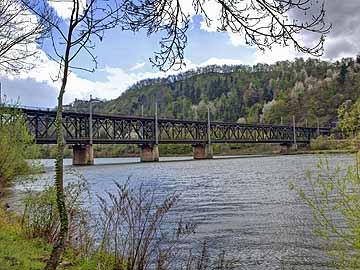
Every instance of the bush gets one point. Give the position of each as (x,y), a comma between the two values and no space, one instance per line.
(334,199)
(136,234)
(330,143)
(41,218)
(16,144)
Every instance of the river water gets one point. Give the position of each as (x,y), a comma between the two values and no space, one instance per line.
(242,206)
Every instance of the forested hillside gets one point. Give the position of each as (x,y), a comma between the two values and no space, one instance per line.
(308,89)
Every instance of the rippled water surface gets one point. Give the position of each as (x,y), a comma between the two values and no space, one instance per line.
(243,206)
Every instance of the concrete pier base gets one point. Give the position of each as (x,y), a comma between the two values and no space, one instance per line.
(83,155)
(203,151)
(149,153)
(285,148)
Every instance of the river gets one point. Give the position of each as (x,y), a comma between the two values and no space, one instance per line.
(241,205)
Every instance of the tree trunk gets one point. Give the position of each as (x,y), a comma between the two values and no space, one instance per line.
(59,246)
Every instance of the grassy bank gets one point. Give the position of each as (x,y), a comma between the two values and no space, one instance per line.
(19,253)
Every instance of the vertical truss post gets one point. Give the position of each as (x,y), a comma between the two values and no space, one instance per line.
(156,124)
(318,126)
(90,121)
(209,127)
(294,130)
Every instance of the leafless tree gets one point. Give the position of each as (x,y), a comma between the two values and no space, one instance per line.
(137,234)
(88,21)
(263,23)
(20,33)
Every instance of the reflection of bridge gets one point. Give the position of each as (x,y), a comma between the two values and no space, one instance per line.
(81,132)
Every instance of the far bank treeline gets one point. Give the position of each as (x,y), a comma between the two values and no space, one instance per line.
(308,89)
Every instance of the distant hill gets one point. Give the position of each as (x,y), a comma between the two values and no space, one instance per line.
(264,93)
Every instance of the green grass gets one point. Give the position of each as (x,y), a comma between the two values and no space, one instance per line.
(19,253)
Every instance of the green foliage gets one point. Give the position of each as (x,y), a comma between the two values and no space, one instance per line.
(18,252)
(349,116)
(309,90)
(16,145)
(330,143)
(334,199)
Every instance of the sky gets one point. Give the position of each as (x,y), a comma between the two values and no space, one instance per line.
(123,57)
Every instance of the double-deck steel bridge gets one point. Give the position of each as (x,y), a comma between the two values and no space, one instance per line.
(82,130)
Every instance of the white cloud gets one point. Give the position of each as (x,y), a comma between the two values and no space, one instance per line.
(277,53)
(63,7)
(221,61)
(138,66)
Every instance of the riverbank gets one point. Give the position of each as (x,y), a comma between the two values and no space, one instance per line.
(19,253)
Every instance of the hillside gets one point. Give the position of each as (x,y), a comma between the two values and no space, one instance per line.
(308,89)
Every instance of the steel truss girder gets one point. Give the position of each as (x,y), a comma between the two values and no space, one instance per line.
(115,129)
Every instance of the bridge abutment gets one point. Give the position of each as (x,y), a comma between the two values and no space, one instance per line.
(203,151)
(83,155)
(285,148)
(149,153)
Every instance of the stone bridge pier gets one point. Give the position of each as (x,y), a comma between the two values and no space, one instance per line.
(83,154)
(149,153)
(285,148)
(203,151)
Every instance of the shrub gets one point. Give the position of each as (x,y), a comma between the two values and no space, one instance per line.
(41,218)
(334,198)
(330,143)
(136,234)
(16,144)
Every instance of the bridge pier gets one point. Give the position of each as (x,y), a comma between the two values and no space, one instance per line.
(83,155)
(203,151)
(285,148)
(149,153)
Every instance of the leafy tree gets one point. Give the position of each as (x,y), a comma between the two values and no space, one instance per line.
(333,196)
(349,116)
(343,72)
(16,145)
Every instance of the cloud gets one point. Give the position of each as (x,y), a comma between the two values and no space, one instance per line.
(138,66)
(277,53)
(342,41)
(344,37)
(63,7)
(28,92)
(221,61)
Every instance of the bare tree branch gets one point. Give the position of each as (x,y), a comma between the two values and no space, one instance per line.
(20,33)
(262,23)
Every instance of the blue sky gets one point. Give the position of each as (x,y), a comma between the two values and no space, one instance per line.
(123,57)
